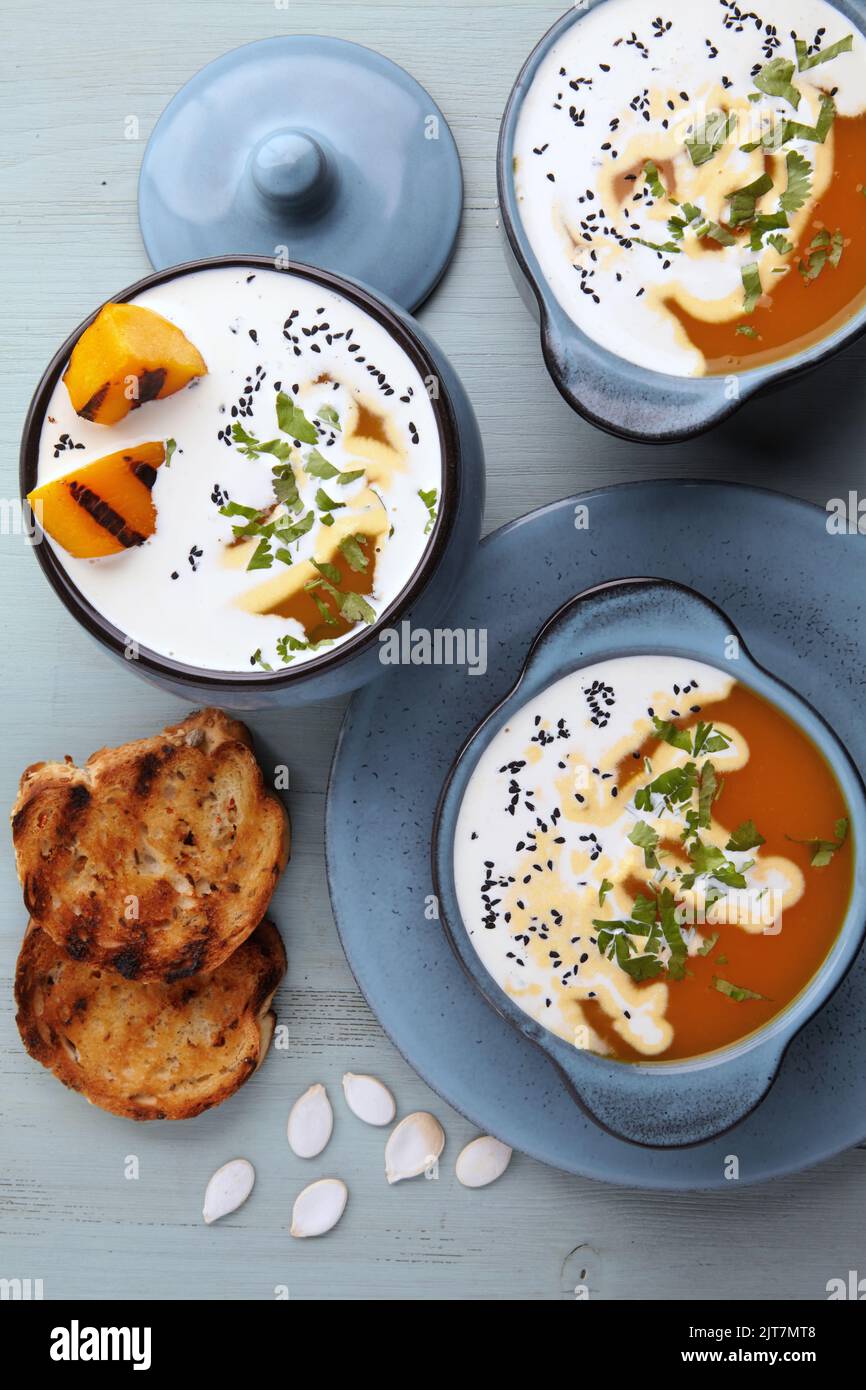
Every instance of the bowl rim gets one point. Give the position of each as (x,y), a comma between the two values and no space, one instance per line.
(398,325)
(784,1026)
(753,381)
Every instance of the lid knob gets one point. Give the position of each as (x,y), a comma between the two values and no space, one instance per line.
(290,168)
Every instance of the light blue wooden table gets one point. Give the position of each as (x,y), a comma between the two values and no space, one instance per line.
(69,1215)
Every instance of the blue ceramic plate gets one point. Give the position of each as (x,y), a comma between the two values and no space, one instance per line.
(805,623)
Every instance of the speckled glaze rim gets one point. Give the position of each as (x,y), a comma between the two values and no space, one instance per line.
(783,1027)
(221,683)
(557,327)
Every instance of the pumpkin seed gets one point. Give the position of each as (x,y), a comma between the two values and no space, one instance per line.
(318,1208)
(311,1122)
(482,1161)
(414,1146)
(228,1189)
(369,1099)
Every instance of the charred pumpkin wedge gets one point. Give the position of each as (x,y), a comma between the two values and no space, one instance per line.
(104,507)
(128,355)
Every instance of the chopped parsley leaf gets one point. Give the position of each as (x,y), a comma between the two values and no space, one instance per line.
(709,135)
(752,285)
(799,187)
(735,992)
(318,466)
(744,201)
(352,548)
(326,503)
(646,839)
(823,850)
(292,420)
(806,60)
(746,836)
(774,80)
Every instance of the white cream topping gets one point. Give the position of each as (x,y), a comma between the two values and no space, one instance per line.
(257,330)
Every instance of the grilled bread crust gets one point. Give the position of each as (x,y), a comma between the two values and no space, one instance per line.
(155,859)
(148,1051)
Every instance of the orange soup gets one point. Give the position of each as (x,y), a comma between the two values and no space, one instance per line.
(692,183)
(652,860)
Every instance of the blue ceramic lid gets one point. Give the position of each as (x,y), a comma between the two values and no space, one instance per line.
(311,149)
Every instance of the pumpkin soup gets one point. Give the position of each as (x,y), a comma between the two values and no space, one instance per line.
(651,859)
(693,183)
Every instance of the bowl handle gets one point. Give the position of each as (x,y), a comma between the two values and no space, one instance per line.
(669,1106)
(632,402)
(633,615)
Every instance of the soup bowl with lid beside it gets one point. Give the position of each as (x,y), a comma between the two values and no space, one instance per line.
(682,203)
(630,866)
(244,478)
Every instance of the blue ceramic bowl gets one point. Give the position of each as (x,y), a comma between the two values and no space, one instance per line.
(656,1104)
(427,592)
(618,396)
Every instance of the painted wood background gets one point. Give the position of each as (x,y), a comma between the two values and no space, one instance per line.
(68,1214)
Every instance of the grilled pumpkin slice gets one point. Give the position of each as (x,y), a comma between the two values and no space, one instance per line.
(104,507)
(128,355)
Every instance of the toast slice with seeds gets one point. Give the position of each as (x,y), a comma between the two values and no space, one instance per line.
(148,1051)
(155,859)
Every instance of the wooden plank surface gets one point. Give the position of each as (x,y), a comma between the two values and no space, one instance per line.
(68,1213)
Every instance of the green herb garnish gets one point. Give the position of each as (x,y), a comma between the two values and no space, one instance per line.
(752,285)
(774,80)
(357,610)
(744,201)
(710,135)
(653,178)
(646,839)
(606,887)
(823,850)
(429,500)
(326,503)
(817,134)
(708,790)
(352,548)
(292,420)
(799,187)
(251,447)
(746,836)
(293,530)
(328,413)
(669,248)
(286,486)
(806,60)
(318,466)
(781,244)
(262,557)
(170,446)
(734,991)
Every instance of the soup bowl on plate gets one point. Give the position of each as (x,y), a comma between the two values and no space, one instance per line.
(682,198)
(243,478)
(649,859)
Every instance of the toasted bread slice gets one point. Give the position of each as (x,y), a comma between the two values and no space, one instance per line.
(156,859)
(148,1051)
